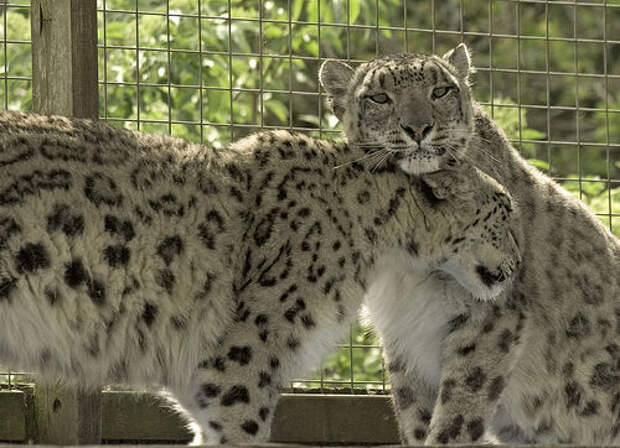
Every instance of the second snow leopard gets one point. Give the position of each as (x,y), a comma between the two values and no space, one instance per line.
(218,274)
(540,363)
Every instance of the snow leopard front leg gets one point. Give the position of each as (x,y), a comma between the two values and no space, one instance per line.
(423,302)
(233,392)
(413,400)
(279,330)
(478,354)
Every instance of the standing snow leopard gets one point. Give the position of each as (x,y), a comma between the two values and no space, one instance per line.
(218,274)
(540,363)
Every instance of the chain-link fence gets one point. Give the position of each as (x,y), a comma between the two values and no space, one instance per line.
(215,70)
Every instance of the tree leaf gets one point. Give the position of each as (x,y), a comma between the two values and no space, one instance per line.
(540,164)
(354,11)
(278,109)
(296,8)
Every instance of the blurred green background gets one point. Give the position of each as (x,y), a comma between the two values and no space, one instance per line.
(216,70)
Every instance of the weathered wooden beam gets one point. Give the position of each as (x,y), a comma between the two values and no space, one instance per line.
(320,418)
(299,419)
(66,416)
(141,416)
(64,59)
(12,416)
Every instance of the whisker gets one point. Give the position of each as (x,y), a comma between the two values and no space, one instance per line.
(369,143)
(364,157)
(454,151)
(383,160)
(374,168)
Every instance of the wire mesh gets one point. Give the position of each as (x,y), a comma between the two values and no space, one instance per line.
(15,55)
(547,71)
(15,93)
(215,70)
(244,64)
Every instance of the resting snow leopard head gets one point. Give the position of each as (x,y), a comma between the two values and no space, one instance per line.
(416,107)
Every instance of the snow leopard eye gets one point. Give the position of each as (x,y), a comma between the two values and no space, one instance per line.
(440,92)
(380,98)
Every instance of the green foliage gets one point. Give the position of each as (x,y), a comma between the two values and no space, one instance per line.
(600,198)
(16,63)
(271,70)
(596,192)
(358,361)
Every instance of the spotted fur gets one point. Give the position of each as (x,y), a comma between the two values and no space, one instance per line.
(218,274)
(541,362)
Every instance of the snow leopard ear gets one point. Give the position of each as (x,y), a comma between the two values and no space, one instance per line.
(335,77)
(460,59)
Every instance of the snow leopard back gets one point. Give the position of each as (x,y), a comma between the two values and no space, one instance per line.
(98,216)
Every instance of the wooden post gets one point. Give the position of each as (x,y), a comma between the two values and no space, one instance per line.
(64,60)
(64,57)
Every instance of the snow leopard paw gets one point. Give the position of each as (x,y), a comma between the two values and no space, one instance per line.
(483,254)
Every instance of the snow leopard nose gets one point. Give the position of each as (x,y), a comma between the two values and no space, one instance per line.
(417,132)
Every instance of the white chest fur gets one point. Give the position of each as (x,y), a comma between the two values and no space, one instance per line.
(410,306)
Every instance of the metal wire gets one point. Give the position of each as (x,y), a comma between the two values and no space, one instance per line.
(15,85)
(6,58)
(431,33)
(437,34)
(14,93)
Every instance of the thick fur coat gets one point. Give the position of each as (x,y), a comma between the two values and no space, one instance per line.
(128,257)
(539,362)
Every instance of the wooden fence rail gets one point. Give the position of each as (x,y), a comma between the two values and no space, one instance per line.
(135,417)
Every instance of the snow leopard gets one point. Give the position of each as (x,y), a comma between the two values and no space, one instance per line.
(539,362)
(217,274)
